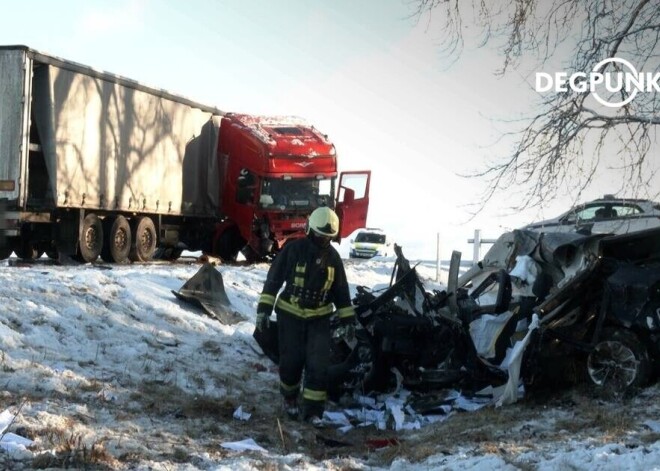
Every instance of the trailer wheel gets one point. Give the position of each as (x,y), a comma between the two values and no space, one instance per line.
(91,239)
(144,240)
(117,240)
(619,361)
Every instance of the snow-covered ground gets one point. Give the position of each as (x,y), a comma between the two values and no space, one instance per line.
(101,367)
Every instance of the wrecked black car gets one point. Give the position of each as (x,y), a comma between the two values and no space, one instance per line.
(539,308)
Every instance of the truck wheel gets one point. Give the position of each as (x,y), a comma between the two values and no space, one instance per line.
(117,240)
(144,240)
(91,239)
(229,244)
(619,361)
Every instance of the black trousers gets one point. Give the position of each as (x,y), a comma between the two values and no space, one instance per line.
(304,347)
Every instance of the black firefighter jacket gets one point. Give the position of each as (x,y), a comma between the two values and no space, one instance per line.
(315,280)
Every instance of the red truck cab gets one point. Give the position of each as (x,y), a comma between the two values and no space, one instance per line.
(274,172)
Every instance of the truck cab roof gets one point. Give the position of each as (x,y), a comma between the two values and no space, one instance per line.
(285,135)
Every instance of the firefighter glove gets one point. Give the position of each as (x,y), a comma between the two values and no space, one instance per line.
(263,321)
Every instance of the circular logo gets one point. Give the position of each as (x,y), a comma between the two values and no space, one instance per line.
(633,71)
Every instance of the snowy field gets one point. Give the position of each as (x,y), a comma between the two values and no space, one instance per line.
(101,367)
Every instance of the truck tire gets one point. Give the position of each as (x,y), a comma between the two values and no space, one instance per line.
(144,240)
(90,243)
(229,244)
(619,361)
(117,239)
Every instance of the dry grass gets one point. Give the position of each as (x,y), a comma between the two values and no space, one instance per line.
(212,347)
(197,423)
(612,418)
(180,455)
(209,407)
(70,451)
(166,398)
(510,431)
(91,386)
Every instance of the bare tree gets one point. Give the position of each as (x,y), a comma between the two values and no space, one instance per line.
(563,143)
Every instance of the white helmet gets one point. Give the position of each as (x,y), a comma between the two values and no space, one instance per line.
(324,222)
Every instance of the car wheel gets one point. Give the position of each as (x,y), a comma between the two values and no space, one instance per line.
(619,361)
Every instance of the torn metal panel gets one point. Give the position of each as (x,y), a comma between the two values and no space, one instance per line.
(207,290)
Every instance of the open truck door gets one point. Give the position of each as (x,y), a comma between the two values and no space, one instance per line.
(352,201)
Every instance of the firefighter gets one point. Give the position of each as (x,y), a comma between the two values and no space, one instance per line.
(315,280)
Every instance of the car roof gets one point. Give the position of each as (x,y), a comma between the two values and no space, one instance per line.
(618,201)
(613,199)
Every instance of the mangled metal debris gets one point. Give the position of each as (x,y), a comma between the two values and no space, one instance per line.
(539,308)
(206,289)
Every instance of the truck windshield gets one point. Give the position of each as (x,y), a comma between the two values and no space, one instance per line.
(278,193)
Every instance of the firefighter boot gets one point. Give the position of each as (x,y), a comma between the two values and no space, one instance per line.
(312,413)
(290,407)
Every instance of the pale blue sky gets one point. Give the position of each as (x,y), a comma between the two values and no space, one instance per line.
(363,72)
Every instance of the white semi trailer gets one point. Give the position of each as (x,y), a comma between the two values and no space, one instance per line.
(95,164)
